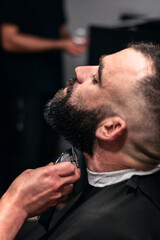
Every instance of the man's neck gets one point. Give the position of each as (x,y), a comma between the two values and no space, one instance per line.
(101,162)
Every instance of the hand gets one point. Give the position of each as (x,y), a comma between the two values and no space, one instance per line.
(36,190)
(74,49)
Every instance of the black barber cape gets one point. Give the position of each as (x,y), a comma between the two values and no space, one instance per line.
(129,210)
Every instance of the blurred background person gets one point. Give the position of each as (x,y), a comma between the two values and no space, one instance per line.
(33,34)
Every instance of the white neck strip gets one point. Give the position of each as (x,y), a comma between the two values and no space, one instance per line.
(102,179)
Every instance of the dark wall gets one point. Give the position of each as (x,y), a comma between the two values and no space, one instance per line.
(110,40)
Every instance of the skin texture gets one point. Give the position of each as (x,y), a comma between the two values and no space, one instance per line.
(115,136)
(119,72)
(119,136)
(33,192)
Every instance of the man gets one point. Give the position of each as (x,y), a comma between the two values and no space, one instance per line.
(111,113)
(33,36)
(33,192)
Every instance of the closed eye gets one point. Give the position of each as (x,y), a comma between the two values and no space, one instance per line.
(94,80)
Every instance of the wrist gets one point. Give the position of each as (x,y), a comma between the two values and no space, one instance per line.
(12,218)
(61,44)
(10,206)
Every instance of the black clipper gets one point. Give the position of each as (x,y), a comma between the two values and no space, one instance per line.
(68,156)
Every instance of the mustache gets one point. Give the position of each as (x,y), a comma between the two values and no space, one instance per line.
(71,82)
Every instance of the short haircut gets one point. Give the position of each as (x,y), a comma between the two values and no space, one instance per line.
(150,86)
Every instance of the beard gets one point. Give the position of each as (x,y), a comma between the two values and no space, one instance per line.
(76,123)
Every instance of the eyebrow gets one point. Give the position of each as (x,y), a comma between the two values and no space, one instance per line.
(101,66)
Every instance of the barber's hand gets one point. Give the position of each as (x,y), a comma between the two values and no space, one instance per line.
(34,191)
(74,49)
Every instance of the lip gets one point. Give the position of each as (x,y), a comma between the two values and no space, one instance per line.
(75,87)
(65,90)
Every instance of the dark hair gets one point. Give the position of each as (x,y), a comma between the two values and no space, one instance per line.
(150,86)
(152,82)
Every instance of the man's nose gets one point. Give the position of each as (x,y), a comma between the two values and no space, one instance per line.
(84,73)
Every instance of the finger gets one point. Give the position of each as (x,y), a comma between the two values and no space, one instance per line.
(62,199)
(51,163)
(28,171)
(65,169)
(67,189)
(72,178)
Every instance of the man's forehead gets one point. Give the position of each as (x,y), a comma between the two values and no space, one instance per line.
(125,54)
(127,59)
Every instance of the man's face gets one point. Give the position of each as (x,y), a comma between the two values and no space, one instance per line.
(76,111)
(112,80)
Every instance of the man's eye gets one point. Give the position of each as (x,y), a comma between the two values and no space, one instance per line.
(94,80)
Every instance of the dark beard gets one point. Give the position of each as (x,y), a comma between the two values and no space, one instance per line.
(75,124)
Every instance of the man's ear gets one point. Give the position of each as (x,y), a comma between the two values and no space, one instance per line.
(111,128)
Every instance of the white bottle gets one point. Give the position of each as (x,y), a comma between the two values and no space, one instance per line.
(79,36)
